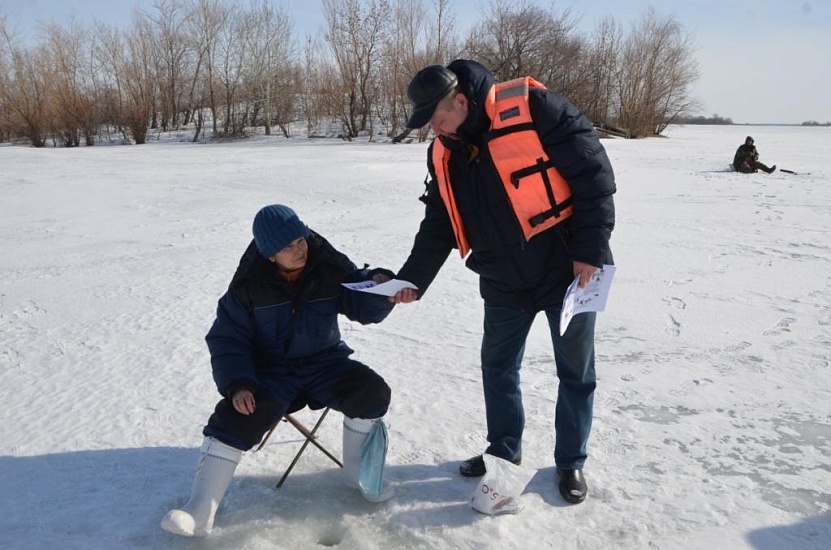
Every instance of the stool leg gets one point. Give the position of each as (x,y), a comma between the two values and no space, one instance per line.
(267,436)
(310,438)
(310,435)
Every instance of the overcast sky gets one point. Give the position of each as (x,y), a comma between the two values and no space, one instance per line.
(761,61)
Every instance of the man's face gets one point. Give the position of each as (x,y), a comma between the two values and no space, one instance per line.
(293,256)
(450,113)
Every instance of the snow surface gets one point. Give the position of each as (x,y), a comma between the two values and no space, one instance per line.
(713,409)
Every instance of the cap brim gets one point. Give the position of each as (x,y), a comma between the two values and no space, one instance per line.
(421,116)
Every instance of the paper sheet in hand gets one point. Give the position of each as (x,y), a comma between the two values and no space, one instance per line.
(390,288)
(591,298)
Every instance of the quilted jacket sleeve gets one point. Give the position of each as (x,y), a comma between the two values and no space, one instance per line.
(575,149)
(434,240)
(231,342)
(363,307)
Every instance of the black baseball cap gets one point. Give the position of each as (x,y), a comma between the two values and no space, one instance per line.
(429,86)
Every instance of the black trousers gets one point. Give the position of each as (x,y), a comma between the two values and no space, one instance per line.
(345,385)
(751,166)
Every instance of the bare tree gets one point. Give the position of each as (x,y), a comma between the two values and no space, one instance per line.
(173,60)
(73,95)
(314,94)
(601,72)
(232,51)
(5,113)
(207,18)
(128,61)
(355,32)
(22,81)
(402,53)
(269,71)
(441,41)
(522,39)
(423,37)
(656,71)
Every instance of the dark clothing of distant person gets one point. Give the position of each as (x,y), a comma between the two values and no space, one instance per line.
(746,159)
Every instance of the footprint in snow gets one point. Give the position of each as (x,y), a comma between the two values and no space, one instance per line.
(673,326)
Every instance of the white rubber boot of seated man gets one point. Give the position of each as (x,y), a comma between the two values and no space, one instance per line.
(213,474)
(368,462)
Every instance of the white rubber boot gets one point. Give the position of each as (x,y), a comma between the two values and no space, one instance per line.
(213,474)
(363,466)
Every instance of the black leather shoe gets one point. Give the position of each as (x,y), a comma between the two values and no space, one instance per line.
(475,466)
(572,485)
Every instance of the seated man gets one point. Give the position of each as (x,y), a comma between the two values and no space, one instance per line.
(276,342)
(746,159)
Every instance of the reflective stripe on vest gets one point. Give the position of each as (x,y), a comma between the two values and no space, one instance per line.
(537,193)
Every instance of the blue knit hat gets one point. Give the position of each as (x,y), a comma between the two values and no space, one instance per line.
(275,226)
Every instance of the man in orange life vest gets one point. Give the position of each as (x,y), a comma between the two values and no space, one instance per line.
(520,183)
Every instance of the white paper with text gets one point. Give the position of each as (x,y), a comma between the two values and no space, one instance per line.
(590,298)
(390,288)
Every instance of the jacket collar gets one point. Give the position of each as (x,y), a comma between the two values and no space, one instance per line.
(475,81)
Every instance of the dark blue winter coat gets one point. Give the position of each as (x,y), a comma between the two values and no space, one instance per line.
(263,322)
(528,275)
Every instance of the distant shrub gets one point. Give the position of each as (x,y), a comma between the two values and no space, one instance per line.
(715,119)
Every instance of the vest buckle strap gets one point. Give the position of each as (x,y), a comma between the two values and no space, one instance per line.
(541,167)
(553,213)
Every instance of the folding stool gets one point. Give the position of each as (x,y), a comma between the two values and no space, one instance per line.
(308,434)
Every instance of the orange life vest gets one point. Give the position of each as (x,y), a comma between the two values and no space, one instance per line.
(537,193)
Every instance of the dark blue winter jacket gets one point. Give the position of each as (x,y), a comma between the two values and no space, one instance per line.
(528,275)
(263,322)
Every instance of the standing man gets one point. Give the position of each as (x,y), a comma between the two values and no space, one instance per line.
(520,181)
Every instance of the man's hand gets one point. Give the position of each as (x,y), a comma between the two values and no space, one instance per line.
(244,402)
(585,271)
(404,296)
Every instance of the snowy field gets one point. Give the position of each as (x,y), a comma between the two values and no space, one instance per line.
(713,408)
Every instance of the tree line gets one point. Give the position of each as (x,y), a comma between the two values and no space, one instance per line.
(220,68)
(714,120)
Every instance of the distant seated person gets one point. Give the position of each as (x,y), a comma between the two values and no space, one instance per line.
(747,159)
